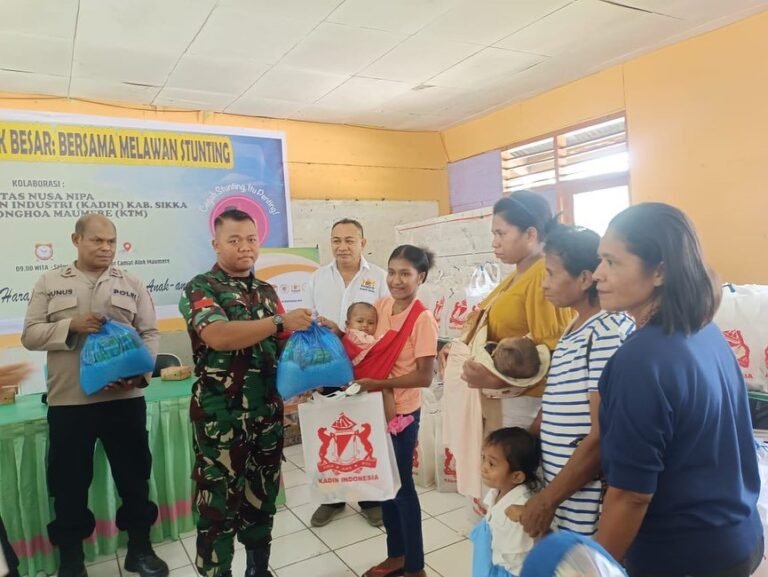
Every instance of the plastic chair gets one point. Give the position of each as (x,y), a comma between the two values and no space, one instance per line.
(165,360)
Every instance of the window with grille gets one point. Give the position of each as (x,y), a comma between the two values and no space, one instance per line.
(584,171)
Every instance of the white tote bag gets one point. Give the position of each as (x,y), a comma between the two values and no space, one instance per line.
(433,295)
(348,453)
(743,318)
(445,462)
(424,454)
(457,312)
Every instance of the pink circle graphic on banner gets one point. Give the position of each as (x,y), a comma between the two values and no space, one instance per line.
(247,205)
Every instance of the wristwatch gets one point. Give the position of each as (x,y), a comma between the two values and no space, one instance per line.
(278,322)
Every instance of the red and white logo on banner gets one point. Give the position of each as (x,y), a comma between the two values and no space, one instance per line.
(345,447)
(736,340)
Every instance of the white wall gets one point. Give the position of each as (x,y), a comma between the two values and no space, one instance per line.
(461,242)
(312,221)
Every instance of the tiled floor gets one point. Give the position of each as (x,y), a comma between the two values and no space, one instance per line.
(345,548)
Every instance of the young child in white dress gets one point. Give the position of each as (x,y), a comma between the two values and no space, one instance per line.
(511,459)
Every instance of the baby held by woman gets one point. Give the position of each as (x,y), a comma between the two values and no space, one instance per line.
(516,358)
(362,319)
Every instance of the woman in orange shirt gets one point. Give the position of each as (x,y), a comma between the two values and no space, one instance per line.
(408,269)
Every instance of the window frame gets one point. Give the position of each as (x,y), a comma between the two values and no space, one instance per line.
(565,190)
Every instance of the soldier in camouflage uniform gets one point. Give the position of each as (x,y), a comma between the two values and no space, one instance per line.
(233,320)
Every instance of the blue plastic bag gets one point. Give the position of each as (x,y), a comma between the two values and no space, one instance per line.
(311,359)
(482,552)
(564,554)
(115,352)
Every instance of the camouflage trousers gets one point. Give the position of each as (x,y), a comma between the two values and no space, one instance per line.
(237,471)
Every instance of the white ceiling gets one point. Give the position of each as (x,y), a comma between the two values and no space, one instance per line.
(401,64)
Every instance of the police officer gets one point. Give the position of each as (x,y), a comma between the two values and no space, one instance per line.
(233,321)
(10,376)
(66,305)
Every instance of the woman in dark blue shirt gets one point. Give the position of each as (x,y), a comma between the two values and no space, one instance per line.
(676,435)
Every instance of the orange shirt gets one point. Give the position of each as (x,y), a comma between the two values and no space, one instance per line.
(421,343)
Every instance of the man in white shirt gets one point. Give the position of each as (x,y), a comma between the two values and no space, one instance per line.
(333,288)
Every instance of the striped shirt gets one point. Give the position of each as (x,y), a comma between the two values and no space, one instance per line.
(577,364)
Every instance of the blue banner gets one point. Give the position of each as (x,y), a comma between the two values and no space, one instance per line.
(162,184)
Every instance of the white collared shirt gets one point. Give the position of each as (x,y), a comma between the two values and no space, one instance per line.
(327,294)
(510,542)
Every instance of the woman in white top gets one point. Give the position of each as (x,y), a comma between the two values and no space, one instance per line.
(568,421)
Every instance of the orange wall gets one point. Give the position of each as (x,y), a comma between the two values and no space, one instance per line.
(697,113)
(324,160)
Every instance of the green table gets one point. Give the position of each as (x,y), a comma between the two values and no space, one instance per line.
(758,396)
(24,503)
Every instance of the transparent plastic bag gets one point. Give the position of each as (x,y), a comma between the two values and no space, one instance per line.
(484,279)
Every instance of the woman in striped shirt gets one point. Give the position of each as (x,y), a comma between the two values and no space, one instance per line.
(568,422)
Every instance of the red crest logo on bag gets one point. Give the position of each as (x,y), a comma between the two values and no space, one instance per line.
(416,456)
(459,313)
(439,306)
(766,358)
(345,447)
(449,466)
(736,340)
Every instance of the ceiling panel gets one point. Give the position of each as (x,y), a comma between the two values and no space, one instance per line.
(317,113)
(378,117)
(485,67)
(195,99)
(26,53)
(165,26)
(269,107)
(124,65)
(315,10)
(358,93)
(338,49)
(586,24)
(695,10)
(428,122)
(250,35)
(295,84)
(27,83)
(107,90)
(551,73)
(426,101)
(488,21)
(407,16)
(419,58)
(401,64)
(215,74)
(39,17)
